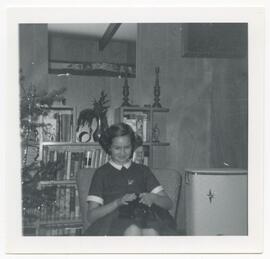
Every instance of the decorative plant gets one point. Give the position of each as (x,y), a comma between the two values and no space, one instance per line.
(32,104)
(98,112)
(33,195)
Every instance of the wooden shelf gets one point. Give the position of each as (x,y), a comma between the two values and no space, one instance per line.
(77,222)
(58,182)
(71,144)
(91,68)
(150,117)
(58,108)
(30,225)
(144,109)
(156,144)
(160,109)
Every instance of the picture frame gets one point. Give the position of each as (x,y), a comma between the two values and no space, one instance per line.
(215,40)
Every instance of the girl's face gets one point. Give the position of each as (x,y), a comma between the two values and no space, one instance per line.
(121,149)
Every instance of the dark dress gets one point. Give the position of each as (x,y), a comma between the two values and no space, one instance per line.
(109,184)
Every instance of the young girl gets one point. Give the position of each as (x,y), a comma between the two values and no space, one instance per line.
(118,183)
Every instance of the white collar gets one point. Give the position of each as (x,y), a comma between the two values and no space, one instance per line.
(119,167)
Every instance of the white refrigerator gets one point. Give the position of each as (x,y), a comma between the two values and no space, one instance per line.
(216,201)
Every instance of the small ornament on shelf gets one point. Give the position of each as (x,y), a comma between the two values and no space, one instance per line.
(98,115)
(157,90)
(126,92)
(98,131)
(155,133)
(85,136)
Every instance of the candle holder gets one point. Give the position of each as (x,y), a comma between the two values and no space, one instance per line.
(157,90)
(126,92)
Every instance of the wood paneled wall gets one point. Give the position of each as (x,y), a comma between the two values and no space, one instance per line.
(207,124)
(33,54)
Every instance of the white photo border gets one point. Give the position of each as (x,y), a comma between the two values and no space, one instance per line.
(253,243)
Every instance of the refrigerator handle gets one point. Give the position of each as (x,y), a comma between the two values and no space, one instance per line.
(187,178)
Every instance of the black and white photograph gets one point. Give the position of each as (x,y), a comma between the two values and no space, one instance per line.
(181,88)
(137,128)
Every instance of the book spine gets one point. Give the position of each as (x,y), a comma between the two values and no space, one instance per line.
(68,172)
(72,163)
(67,202)
(58,127)
(97,158)
(77,204)
(88,159)
(62,203)
(72,202)
(145,131)
(101,158)
(93,157)
(76,167)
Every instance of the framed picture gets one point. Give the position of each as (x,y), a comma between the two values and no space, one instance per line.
(215,40)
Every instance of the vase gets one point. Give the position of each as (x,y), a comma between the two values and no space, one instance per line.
(98,131)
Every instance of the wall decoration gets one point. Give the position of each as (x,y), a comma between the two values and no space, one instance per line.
(92,68)
(215,40)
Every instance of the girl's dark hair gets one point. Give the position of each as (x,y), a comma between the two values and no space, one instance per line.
(118,130)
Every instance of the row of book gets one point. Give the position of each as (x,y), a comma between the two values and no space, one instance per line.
(95,158)
(68,231)
(138,121)
(65,206)
(74,161)
(58,126)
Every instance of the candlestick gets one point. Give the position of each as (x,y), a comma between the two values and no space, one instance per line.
(157,90)
(126,92)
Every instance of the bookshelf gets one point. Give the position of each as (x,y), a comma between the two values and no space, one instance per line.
(144,121)
(60,124)
(62,217)
(59,213)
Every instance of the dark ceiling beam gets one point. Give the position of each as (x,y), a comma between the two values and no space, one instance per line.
(108,34)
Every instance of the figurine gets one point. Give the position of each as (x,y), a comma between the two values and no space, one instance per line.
(155,133)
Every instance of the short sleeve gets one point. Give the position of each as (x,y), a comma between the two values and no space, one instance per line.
(96,188)
(152,184)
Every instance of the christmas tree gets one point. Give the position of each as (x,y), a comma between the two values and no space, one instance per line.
(33,104)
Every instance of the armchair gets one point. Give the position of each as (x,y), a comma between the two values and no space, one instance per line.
(170,179)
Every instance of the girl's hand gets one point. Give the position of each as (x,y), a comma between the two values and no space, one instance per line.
(126,199)
(147,198)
